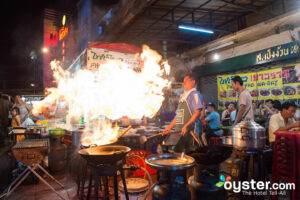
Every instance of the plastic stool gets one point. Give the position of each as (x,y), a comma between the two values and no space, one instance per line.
(215,140)
(285,159)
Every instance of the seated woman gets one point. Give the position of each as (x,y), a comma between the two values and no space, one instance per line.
(214,122)
(226,120)
(16,121)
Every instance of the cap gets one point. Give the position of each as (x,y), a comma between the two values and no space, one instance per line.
(211,104)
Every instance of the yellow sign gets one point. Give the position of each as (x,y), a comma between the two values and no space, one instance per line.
(278,83)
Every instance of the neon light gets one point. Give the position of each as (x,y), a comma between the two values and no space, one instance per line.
(63,52)
(63,44)
(64,18)
(63,32)
(196,29)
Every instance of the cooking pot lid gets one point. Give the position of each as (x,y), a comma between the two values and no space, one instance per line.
(249,125)
(170,161)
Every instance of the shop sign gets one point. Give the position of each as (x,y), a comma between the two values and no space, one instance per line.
(63,32)
(97,57)
(281,83)
(280,52)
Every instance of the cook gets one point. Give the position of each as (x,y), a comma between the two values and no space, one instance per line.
(187,114)
(244,105)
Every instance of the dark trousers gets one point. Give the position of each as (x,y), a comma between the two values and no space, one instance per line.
(185,143)
(209,133)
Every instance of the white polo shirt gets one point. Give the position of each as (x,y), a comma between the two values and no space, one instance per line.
(275,123)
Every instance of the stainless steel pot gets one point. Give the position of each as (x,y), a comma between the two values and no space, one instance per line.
(227,140)
(248,135)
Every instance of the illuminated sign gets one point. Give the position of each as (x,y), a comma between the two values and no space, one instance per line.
(63,32)
(64,20)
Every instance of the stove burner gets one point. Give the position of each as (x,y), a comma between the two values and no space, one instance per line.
(172,182)
(206,172)
(104,161)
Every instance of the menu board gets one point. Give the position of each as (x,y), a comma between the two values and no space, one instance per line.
(279,83)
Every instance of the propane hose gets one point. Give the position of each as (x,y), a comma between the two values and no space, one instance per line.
(149,191)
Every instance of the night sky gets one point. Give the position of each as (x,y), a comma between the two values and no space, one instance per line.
(22,32)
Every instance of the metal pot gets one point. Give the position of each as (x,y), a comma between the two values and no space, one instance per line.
(76,136)
(248,135)
(227,140)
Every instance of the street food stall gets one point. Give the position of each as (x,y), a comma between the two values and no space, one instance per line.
(109,132)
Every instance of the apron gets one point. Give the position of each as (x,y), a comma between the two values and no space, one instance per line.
(183,115)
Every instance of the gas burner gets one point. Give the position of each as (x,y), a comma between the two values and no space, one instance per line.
(172,182)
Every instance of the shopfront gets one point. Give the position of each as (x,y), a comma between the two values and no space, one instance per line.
(272,73)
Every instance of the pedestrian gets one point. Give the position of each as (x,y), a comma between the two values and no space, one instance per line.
(244,106)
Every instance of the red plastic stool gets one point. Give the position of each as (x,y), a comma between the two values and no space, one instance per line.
(285,159)
(215,140)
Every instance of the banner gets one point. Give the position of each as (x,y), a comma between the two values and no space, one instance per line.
(96,57)
(279,83)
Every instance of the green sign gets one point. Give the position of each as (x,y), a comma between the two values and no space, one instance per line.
(280,52)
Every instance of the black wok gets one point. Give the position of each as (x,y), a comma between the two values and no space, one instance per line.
(109,154)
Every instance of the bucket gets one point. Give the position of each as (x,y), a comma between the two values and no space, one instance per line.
(136,187)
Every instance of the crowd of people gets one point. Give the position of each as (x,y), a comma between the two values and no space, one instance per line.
(193,114)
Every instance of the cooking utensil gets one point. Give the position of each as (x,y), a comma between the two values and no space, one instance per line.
(125,131)
(172,139)
(204,139)
(195,136)
(249,135)
(169,161)
(109,154)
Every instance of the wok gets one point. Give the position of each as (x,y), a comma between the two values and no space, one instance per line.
(211,155)
(109,154)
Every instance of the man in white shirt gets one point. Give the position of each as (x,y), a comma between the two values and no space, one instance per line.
(244,106)
(283,121)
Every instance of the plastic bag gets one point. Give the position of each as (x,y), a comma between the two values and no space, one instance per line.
(27,122)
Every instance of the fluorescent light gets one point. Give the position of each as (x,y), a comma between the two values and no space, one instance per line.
(221,46)
(196,29)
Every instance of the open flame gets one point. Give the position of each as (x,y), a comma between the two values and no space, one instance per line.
(114,91)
